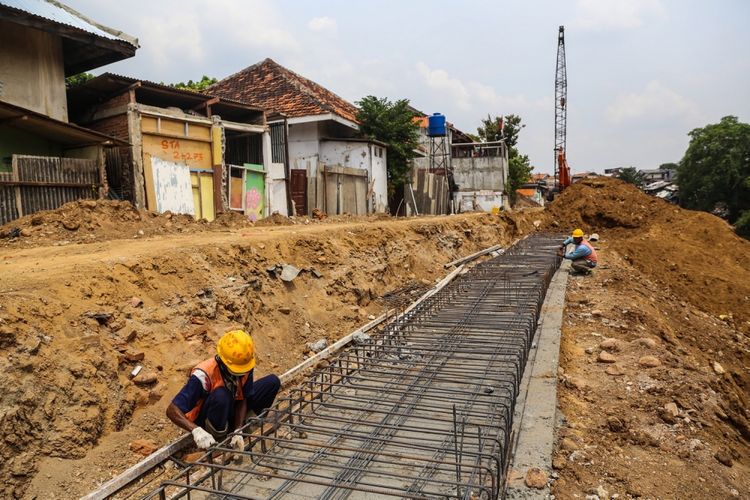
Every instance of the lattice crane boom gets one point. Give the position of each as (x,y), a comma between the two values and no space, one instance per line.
(562,171)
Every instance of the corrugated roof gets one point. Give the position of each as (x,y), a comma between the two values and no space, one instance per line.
(62,14)
(43,125)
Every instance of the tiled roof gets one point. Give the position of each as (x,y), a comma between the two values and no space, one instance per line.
(273,87)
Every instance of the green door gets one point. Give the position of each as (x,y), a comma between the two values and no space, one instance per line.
(255,191)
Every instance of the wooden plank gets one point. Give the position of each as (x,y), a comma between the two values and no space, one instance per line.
(14,167)
(148,176)
(473,256)
(336,169)
(136,471)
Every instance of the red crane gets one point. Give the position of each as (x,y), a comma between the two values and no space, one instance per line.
(562,171)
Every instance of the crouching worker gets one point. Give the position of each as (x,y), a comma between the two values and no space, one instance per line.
(583,255)
(220,392)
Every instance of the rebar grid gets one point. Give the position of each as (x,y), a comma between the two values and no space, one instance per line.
(423,410)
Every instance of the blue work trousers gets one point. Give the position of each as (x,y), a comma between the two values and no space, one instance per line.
(218,408)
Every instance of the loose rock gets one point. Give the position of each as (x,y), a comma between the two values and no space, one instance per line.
(614,370)
(723,457)
(718,369)
(646,342)
(649,361)
(610,345)
(577,383)
(145,378)
(143,447)
(318,345)
(536,478)
(605,357)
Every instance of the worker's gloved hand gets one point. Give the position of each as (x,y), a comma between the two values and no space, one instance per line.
(237,442)
(202,438)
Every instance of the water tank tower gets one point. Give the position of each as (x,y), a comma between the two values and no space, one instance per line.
(436,125)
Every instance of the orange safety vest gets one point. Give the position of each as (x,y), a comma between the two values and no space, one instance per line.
(211,368)
(592,255)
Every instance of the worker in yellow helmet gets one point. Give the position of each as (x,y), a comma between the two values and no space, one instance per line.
(220,390)
(583,255)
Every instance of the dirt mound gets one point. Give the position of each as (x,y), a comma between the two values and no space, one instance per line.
(276,220)
(525,202)
(89,221)
(695,254)
(670,301)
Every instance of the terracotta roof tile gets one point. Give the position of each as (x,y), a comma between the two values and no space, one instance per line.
(275,88)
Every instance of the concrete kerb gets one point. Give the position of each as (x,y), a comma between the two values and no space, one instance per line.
(536,406)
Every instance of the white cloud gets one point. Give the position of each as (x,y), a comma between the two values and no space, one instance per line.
(163,38)
(323,25)
(471,95)
(439,80)
(656,100)
(599,15)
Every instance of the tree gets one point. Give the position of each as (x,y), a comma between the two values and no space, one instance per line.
(519,167)
(199,86)
(519,173)
(392,123)
(631,176)
(716,168)
(78,79)
(668,166)
(490,130)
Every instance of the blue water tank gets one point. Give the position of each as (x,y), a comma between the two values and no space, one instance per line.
(436,125)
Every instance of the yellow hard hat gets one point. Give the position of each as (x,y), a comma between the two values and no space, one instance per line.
(237,350)
(578,233)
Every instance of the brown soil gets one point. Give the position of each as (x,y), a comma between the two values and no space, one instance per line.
(76,319)
(675,285)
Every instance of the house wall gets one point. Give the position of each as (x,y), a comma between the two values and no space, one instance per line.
(31,70)
(19,142)
(481,173)
(364,156)
(304,147)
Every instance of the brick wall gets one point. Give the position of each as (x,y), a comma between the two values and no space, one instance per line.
(116,126)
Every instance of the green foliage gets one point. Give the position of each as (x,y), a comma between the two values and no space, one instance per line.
(742,225)
(199,86)
(631,175)
(78,79)
(519,172)
(393,124)
(716,168)
(519,167)
(668,166)
(490,130)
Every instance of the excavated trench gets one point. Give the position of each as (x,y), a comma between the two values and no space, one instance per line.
(420,409)
(76,320)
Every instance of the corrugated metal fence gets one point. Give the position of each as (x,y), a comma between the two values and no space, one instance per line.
(45,183)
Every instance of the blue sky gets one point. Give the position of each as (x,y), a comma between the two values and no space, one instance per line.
(641,73)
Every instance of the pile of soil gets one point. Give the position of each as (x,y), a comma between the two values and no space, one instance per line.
(75,320)
(695,254)
(655,386)
(91,221)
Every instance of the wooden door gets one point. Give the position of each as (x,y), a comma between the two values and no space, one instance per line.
(299,190)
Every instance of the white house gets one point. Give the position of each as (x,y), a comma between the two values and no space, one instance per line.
(330,166)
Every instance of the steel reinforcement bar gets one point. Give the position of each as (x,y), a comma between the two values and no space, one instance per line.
(420,409)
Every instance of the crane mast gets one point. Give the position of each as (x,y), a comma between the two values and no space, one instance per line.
(562,171)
